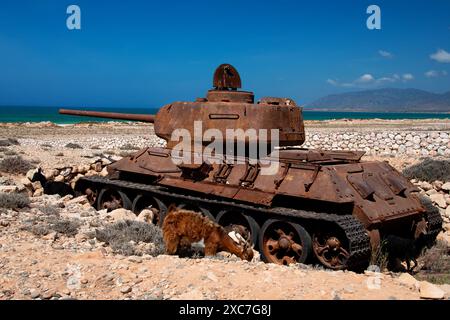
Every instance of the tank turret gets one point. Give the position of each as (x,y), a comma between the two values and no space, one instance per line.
(224,108)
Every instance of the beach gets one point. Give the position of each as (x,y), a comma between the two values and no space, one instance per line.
(37,262)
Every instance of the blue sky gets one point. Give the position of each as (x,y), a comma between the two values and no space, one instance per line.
(148,53)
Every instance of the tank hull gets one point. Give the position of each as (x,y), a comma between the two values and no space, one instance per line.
(337,199)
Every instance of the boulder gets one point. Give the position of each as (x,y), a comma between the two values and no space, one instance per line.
(426,186)
(409,281)
(447,211)
(437,185)
(146,215)
(439,199)
(446,186)
(430,291)
(26,182)
(104,172)
(59,179)
(122,214)
(30,174)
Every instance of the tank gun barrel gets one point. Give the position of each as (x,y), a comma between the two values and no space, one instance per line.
(110,115)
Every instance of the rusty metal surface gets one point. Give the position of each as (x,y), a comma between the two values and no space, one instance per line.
(109,115)
(226,77)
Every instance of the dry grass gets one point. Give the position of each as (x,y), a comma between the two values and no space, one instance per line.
(379,257)
(436,264)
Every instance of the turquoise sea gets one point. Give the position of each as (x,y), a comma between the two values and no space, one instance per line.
(36,114)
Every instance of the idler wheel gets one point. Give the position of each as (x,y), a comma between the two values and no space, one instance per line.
(239,222)
(154,204)
(330,250)
(111,199)
(284,242)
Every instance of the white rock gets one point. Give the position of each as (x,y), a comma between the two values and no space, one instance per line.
(122,214)
(30,174)
(446,186)
(104,172)
(26,182)
(8,189)
(426,186)
(146,215)
(408,280)
(447,211)
(439,199)
(430,291)
(79,200)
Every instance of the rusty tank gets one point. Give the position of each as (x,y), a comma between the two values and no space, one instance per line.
(315,206)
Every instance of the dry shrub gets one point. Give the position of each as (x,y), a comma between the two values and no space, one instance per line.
(429,170)
(73,146)
(119,235)
(128,146)
(13,200)
(9,142)
(15,165)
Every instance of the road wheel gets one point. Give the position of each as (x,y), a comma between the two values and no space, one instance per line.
(239,222)
(145,201)
(284,242)
(111,199)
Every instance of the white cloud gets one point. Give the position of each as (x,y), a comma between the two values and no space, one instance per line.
(365,78)
(435,74)
(407,77)
(368,80)
(385,54)
(332,82)
(386,79)
(441,56)
(432,74)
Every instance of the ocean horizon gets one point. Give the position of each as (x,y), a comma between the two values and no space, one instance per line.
(39,114)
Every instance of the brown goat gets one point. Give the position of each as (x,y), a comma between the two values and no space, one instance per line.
(183,227)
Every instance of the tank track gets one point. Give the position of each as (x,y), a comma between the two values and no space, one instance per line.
(433,217)
(434,223)
(357,236)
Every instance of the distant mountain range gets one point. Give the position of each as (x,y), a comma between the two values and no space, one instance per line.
(384,100)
